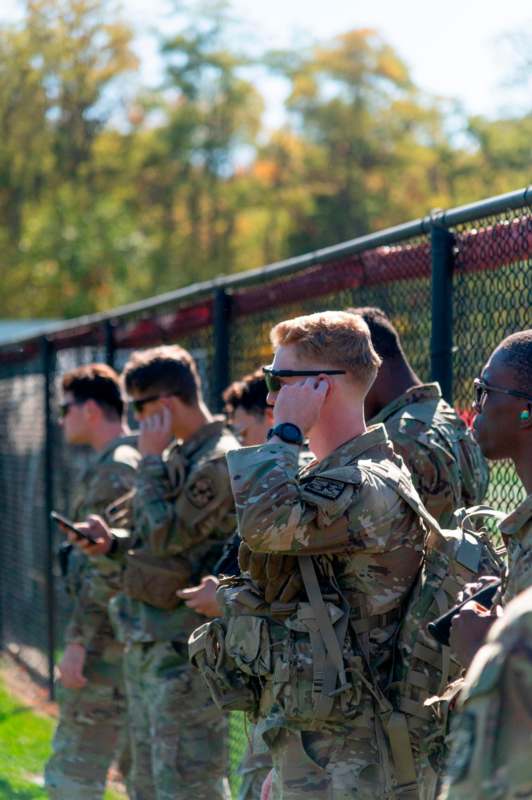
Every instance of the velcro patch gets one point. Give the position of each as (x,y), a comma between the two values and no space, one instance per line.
(324,487)
(201,492)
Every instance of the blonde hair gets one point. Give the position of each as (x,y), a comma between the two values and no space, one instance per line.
(336,338)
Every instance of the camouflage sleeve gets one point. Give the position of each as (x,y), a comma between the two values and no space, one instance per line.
(519,575)
(172,520)
(276,513)
(101,578)
(90,609)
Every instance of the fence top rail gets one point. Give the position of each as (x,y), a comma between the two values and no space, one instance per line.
(520,198)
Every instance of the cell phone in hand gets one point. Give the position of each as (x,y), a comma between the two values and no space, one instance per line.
(69,525)
(440,629)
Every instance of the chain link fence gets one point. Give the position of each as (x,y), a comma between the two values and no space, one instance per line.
(454,284)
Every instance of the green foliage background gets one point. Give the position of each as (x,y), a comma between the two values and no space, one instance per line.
(107,197)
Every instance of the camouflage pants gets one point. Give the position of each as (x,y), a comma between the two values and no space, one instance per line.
(326,766)
(178,736)
(91,732)
(254,767)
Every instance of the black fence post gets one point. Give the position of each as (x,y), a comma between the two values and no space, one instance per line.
(222,318)
(441,343)
(48,367)
(109,337)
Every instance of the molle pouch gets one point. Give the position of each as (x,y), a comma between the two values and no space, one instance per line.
(155,580)
(248,643)
(305,677)
(231,688)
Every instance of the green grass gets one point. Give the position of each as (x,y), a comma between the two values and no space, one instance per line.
(25,741)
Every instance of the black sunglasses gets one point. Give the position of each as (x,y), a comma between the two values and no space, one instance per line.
(64,408)
(273,384)
(482,388)
(138,405)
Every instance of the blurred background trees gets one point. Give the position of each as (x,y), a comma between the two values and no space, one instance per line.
(106,197)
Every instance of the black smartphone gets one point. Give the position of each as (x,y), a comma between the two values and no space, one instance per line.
(440,629)
(67,523)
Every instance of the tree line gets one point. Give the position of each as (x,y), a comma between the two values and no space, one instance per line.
(107,196)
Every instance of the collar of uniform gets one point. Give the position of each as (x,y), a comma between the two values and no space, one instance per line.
(516,521)
(416,394)
(110,446)
(352,449)
(207,431)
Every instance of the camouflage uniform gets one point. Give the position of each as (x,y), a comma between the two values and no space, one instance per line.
(492,736)
(92,727)
(257,760)
(355,525)
(447,466)
(517,533)
(183,506)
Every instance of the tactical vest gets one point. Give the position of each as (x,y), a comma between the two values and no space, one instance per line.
(311,659)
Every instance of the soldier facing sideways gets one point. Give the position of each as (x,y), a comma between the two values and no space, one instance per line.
(492,734)
(446,464)
(92,727)
(182,514)
(352,542)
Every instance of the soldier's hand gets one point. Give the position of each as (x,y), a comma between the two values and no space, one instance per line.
(155,433)
(95,527)
(70,668)
(301,403)
(469,629)
(472,588)
(202,598)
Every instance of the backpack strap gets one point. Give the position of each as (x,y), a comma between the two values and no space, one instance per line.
(329,668)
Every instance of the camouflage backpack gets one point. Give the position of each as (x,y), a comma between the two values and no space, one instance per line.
(423,668)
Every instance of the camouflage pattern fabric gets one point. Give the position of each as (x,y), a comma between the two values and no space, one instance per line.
(254,767)
(92,728)
(180,737)
(517,533)
(356,525)
(183,506)
(447,466)
(92,731)
(492,733)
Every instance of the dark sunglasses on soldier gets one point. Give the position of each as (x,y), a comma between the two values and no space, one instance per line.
(273,384)
(138,405)
(482,389)
(64,408)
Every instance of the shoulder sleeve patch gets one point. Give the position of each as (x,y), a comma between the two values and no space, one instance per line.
(201,492)
(324,487)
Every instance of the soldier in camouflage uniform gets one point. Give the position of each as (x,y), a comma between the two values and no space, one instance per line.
(492,735)
(183,512)
(503,429)
(446,463)
(365,545)
(92,728)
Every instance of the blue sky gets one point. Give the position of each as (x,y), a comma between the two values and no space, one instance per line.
(453,49)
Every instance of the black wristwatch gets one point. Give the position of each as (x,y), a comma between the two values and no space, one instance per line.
(288,432)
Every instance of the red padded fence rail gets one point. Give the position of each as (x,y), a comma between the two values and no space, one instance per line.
(487,248)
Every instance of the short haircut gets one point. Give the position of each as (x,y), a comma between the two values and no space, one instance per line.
(250,393)
(333,337)
(384,336)
(97,382)
(516,351)
(168,368)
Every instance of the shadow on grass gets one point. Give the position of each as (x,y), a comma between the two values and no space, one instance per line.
(13,711)
(10,792)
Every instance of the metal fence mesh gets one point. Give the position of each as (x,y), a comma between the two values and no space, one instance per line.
(492,287)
